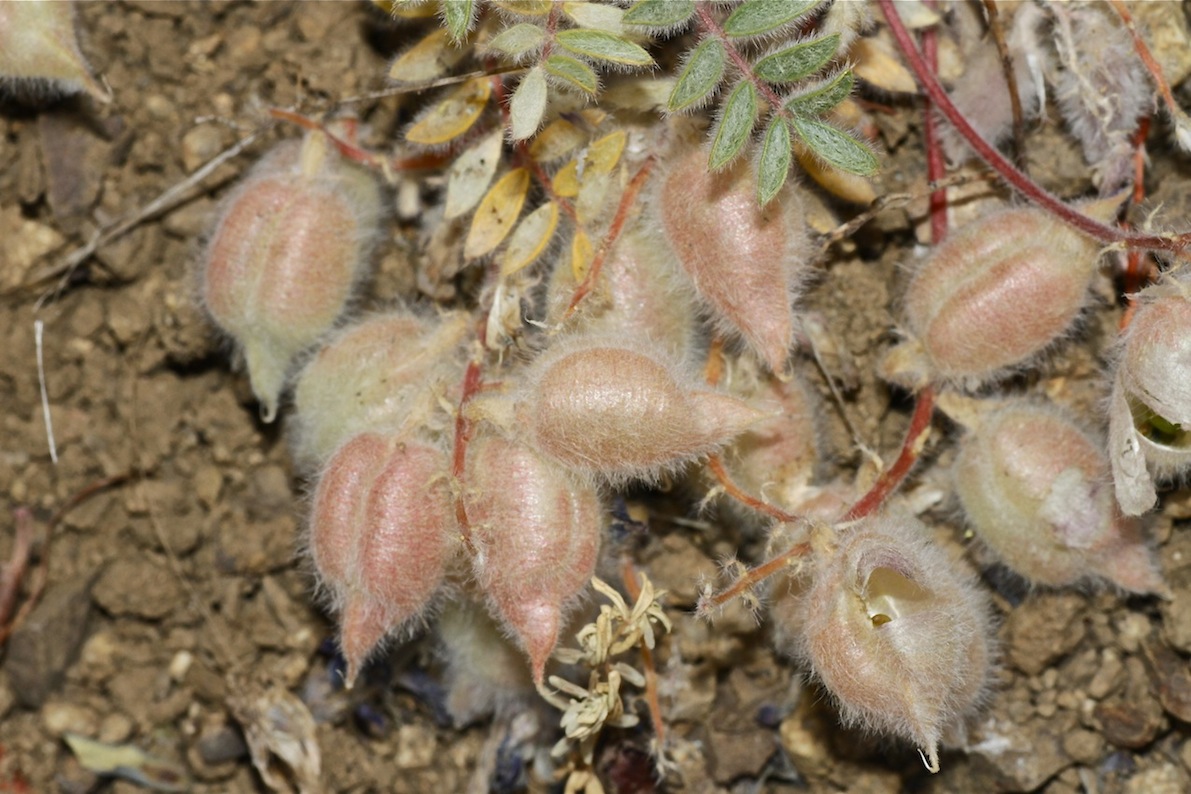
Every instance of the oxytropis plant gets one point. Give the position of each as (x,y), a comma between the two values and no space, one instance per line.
(629,314)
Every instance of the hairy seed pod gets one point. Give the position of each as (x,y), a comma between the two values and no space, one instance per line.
(537,535)
(485,673)
(1150,411)
(622,413)
(639,295)
(747,263)
(38,47)
(385,373)
(380,535)
(777,455)
(1035,488)
(992,296)
(288,248)
(894,631)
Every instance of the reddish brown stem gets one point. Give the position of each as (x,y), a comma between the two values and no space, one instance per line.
(1147,58)
(627,200)
(739,494)
(892,477)
(629,575)
(356,154)
(472,383)
(754,577)
(713,370)
(1019,126)
(936,167)
(1009,172)
(13,572)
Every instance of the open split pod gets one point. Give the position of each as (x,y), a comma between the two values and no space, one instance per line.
(1150,412)
(895,630)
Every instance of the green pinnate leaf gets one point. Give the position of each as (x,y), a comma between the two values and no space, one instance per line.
(518,40)
(574,72)
(740,114)
(528,104)
(702,73)
(755,17)
(797,61)
(603,46)
(659,13)
(458,14)
(823,97)
(836,147)
(774,163)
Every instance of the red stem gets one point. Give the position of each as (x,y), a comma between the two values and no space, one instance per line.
(627,200)
(463,430)
(892,477)
(936,167)
(1009,172)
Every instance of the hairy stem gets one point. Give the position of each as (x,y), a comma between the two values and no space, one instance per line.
(892,477)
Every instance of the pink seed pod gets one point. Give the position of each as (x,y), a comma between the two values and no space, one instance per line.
(288,248)
(39,48)
(381,533)
(776,457)
(1035,488)
(746,263)
(621,414)
(893,629)
(991,297)
(537,536)
(640,295)
(383,374)
(1151,398)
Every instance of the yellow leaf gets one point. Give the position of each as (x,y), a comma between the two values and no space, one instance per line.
(525,8)
(598,158)
(581,255)
(498,211)
(454,115)
(841,184)
(471,174)
(530,239)
(424,61)
(877,64)
(559,138)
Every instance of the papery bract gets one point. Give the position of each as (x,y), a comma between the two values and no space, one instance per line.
(288,248)
(537,531)
(381,535)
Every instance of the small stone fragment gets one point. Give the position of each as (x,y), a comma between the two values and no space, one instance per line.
(48,642)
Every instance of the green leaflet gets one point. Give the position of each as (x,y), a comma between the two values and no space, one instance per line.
(457,15)
(774,163)
(603,46)
(755,17)
(740,114)
(797,61)
(574,72)
(518,39)
(836,147)
(703,71)
(528,104)
(660,13)
(823,97)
